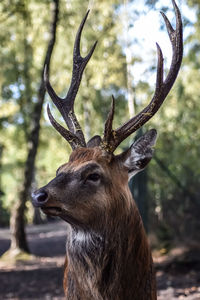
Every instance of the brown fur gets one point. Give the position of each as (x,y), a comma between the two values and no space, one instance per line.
(108,256)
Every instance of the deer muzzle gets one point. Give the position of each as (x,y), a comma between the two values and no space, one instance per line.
(39,198)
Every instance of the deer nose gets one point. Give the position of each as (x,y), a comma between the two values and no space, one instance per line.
(39,198)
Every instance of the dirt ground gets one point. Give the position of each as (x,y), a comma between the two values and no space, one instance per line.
(40,278)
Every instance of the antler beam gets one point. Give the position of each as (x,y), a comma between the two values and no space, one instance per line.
(114,137)
(66,105)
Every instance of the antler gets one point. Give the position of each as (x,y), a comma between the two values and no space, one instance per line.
(74,135)
(112,138)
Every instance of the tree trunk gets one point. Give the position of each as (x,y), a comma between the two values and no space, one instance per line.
(138,184)
(128,53)
(140,192)
(139,189)
(37,218)
(17,224)
(1,156)
(1,191)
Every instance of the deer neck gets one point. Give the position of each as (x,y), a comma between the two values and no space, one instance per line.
(115,263)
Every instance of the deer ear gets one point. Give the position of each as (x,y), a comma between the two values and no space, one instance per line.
(140,153)
(94,141)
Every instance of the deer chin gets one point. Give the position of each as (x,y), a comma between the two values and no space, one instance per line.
(59,212)
(52,211)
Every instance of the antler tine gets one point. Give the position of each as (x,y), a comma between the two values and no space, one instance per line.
(76,52)
(176,38)
(66,105)
(71,138)
(48,86)
(108,126)
(162,87)
(159,77)
(79,64)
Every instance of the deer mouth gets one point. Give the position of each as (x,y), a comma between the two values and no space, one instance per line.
(52,210)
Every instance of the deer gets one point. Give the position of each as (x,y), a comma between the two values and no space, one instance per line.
(108,256)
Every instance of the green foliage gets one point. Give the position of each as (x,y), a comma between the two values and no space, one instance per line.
(176,194)
(23,36)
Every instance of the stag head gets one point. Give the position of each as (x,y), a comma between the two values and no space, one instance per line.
(92,167)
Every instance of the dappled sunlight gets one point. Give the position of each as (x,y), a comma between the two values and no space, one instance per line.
(34,33)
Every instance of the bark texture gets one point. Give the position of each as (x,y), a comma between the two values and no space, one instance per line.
(18,240)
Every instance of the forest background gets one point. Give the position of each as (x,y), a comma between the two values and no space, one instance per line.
(33,32)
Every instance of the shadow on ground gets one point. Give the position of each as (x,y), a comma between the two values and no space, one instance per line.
(40,277)
(178,276)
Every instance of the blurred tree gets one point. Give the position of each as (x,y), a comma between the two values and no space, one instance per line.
(175,178)
(3,212)
(18,240)
(19,86)
(139,188)
(24,35)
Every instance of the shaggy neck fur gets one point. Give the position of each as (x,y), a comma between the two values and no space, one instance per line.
(114,263)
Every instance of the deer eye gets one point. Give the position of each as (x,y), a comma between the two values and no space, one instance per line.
(93,177)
